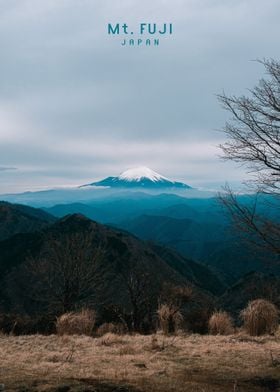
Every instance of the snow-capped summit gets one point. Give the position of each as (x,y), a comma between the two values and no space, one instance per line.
(139,177)
(139,173)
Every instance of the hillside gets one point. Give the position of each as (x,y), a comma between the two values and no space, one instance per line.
(16,218)
(115,265)
(197,273)
(104,267)
(251,286)
(198,229)
(12,249)
(215,244)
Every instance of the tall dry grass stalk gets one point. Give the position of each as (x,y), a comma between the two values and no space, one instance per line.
(220,323)
(260,317)
(170,318)
(76,323)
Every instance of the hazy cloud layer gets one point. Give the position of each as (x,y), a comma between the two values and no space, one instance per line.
(3,168)
(76,106)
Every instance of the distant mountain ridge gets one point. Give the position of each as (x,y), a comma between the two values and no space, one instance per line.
(13,250)
(34,226)
(140,177)
(25,232)
(123,254)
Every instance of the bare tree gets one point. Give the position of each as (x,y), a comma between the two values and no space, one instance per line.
(254,130)
(253,139)
(255,227)
(140,287)
(68,273)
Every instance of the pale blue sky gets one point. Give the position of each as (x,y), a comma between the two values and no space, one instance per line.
(75,106)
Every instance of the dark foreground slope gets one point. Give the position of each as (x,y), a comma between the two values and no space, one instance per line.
(198,229)
(74,262)
(77,262)
(16,218)
(119,246)
(252,286)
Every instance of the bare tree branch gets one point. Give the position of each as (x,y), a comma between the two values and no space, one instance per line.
(253,139)
(68,273)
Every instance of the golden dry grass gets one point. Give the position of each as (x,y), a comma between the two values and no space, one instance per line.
(260,317)
(140,363)
(220,323)
(76,323)
(169,317)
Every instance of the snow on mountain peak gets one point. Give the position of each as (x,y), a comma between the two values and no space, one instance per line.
(139,173)
(139,177)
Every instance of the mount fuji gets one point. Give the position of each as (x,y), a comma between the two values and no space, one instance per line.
(139,177)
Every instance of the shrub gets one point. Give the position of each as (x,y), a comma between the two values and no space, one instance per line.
(260,317)
(170,318)
(76,323)
(220,323)
(115,328)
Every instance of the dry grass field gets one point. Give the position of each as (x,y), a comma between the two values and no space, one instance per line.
(139,363)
